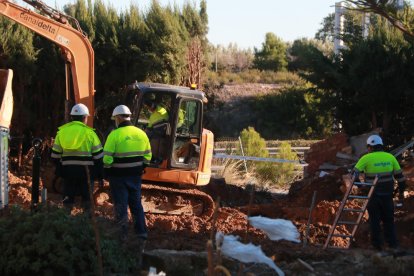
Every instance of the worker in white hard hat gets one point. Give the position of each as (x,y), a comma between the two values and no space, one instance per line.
(127,152)
(76,149)
(381,206)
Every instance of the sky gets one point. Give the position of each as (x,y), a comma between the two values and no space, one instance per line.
(245,22)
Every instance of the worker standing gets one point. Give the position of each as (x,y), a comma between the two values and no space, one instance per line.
(77,148)
(381,205)
(127,151)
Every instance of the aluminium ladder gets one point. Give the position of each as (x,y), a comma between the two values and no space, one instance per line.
(342,208)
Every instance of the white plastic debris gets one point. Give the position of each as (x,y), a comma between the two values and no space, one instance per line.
(323,173)
(246,253)
(153,272)
(276,229)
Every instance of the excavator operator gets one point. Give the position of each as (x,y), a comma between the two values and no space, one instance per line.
(158,112)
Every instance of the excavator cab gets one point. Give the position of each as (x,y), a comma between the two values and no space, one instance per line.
(172,118)
(182,150)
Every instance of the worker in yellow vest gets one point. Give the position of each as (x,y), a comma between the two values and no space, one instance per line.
(381,205)
(77,148)
(158,113)
(127,152)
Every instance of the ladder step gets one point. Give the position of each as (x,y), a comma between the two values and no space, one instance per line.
(353,210)
(359,197)
(341,235)
(363,184)
(347,222)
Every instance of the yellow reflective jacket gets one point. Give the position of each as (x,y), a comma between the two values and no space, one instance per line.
(159,114)
(127,151)
(77,145)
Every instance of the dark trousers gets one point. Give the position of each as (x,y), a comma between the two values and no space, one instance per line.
(75,186)
(126,191)
(381,209)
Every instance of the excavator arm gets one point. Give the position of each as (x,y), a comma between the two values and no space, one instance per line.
(76,48)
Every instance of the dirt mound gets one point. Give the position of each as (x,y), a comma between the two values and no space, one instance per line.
(20,191)
(327,188)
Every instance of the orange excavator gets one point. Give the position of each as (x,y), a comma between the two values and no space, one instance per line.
(182,149)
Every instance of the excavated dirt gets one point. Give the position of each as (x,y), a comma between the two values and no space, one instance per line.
(192,233)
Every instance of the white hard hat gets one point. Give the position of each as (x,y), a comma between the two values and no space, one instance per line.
(374,140)
(79,110)
(120,110)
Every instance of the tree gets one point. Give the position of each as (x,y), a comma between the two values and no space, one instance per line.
(302,47)
(166,43)
(402,17)
(363,90)
(231,58)
(272,56)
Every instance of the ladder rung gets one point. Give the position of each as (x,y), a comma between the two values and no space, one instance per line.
(359,197)
(363,184)
(353,210)
(347,222)
(341,235)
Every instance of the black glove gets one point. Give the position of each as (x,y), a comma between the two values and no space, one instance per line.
(400,202)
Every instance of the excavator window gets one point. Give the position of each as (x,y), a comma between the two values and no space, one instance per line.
(154,118)
(186,148)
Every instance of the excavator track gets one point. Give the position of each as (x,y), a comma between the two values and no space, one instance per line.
(170,201)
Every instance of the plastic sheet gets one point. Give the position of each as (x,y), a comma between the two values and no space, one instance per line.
(246,253)
(276,229)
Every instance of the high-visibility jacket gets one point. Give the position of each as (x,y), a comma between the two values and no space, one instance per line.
(159,114)
(75,146)
(386,167)
(181,117)
(127,151)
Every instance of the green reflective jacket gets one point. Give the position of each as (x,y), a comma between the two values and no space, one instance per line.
(385,166)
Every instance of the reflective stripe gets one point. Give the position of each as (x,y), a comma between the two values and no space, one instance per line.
(379,174)
(131,153)
(55,155)
(108,153)
(126,165)
(76,153)
(96,147)
(98,156)
(57,147)
(76,162)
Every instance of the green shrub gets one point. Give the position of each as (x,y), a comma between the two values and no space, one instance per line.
(52,242)
(267,173)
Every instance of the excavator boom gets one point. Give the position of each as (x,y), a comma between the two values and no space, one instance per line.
(75,45)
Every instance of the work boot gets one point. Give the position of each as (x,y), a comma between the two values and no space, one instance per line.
(141,247)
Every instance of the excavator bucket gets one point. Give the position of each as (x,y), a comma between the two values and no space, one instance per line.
(6,97)
(6,111)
